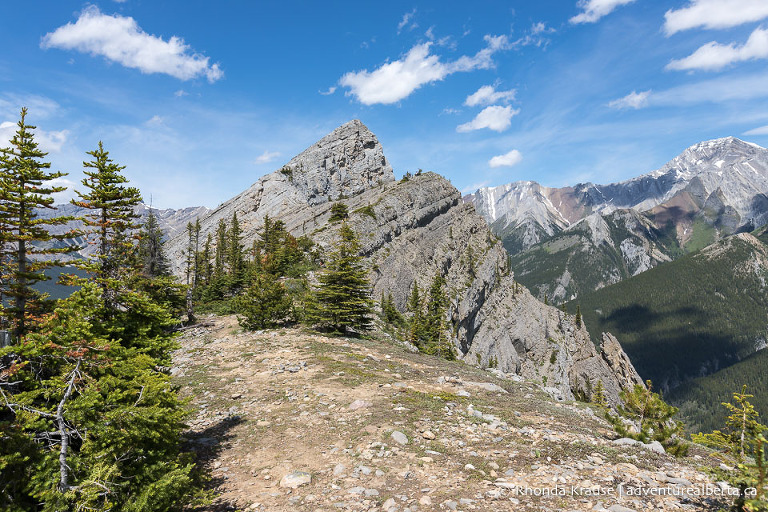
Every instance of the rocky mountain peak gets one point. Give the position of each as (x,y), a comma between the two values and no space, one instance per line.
(343,163)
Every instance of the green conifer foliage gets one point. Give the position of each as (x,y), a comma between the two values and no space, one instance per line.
(153,260)
(24,188)
(435,339)
(235,255)
(265,303)
(110,220)
(598,395)
(343,300)
(743,439)
(96,420)
(339,212)
(651,418)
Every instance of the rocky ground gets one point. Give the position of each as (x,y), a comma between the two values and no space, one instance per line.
(288,420)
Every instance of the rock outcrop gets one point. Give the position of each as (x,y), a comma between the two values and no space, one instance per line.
(409,231)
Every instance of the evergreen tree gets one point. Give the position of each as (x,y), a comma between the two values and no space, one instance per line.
(198,263)
(598,395)
(265,303)
(205,261)
(651,418)
(741,428)
(234,254)
(434,337)
(151,254)
(110,220)
(743,438)
(389,311)
(220,256)
(339,212)
(343,299)
(24,188)
(190,254)
(578,316)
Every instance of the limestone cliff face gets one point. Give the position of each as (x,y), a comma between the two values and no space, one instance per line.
(412,229)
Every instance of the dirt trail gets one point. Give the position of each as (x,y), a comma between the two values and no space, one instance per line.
(373,426)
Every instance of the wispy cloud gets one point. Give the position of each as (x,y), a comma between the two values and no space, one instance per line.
(714,56)
(718,90)
(510,159)
(407,21)
(267,156)
(494,118)
(487,95)
(120,39)
(394,81)
(329,91)
(714,14)
(537,36)
(39,107)
(635,100)
(763,130)
(593,10)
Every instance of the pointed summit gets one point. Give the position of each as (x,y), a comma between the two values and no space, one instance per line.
(345,162)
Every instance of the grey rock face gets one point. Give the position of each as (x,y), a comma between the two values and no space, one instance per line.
(409,231)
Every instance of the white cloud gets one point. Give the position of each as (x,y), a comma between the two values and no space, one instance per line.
(536,36)
(713,14)
(120,39)
(487,94)
(156,121)
(396,80)
(494,118)
(330,91)
(181,93)
(406,20)
(714,56)
(593,10)
(50,142)
(763,130)
(635,100)
(510,159)
(267,157)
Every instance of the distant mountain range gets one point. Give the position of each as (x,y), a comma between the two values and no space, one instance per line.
(566,241)
(171,221)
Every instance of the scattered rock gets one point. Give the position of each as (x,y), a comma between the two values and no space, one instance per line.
(359,404)
(399,437)
(295,479)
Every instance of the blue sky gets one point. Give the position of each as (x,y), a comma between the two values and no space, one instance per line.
(200,99)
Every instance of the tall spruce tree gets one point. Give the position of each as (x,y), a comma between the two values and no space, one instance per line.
(432,335)
(343,299)
(110,221)
(151,255)
(25,187)
(235,257)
